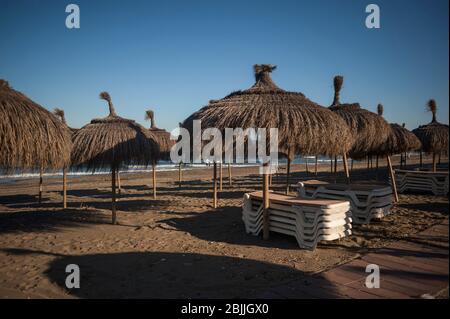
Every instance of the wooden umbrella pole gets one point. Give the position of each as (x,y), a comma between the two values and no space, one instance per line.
(376,162)
(64,187)
(368,162)
(154,178)
(119,184)
(439,158)
(306,165)
(420,159)
(40,183)
(113,204)
(404,159)
(220,176)
(371,161)
(288,172)
(347,174)
(335,164)
(315,166)
(331,161)
(265,203)
(434,162)
(179,175)
(230,182)
(215,185)
(392,175)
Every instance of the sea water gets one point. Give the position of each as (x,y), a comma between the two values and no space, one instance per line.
(162,166)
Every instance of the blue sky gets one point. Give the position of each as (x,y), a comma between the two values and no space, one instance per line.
(174,56)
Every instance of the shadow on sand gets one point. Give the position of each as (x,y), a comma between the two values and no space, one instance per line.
(170,275)
(48,220)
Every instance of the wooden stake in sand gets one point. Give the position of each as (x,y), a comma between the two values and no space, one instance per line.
(113,187)
(179,174)
(288,173)
(230,182)
(420,159)
(392,175)
(64,187)
(315,166)
(434,161)
(40,184)
(119,184)
(347,174)
(266,201)
(335,164)
(306,164)
(215,185)
(154,179)
(220,176)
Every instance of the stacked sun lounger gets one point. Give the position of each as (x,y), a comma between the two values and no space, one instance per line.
(422,181)
(368,201)
(309,221)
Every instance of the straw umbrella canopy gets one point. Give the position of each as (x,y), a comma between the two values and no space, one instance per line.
(304,127)
(434,135)
(60,114)
(164,142)
(111,143)
(161,135)
(400,139)
(30,136)
(369,130)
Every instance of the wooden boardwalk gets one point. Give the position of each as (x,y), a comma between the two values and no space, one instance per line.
(408,269)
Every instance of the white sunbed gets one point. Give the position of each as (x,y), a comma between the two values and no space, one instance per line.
(309,221)
(368,201)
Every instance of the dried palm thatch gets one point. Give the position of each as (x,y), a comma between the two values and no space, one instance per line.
(304,127)
(113,142)
(60,114)
(434,135)
(30,136)
(400,139)
(161,135)
(369,130)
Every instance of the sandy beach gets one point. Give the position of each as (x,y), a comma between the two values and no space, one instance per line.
(175,246)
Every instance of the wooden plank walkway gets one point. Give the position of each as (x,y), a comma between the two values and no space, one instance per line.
(408,269)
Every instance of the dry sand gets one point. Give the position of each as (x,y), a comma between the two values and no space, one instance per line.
(176,245)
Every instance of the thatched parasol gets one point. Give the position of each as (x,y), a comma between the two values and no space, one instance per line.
(304,127)
(60,114)
(163,140)
(434,135)
(30,136)
(400,140)
(162,136)
(370,131)
(111,143)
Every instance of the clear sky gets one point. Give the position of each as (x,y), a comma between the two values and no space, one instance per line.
(174,56)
